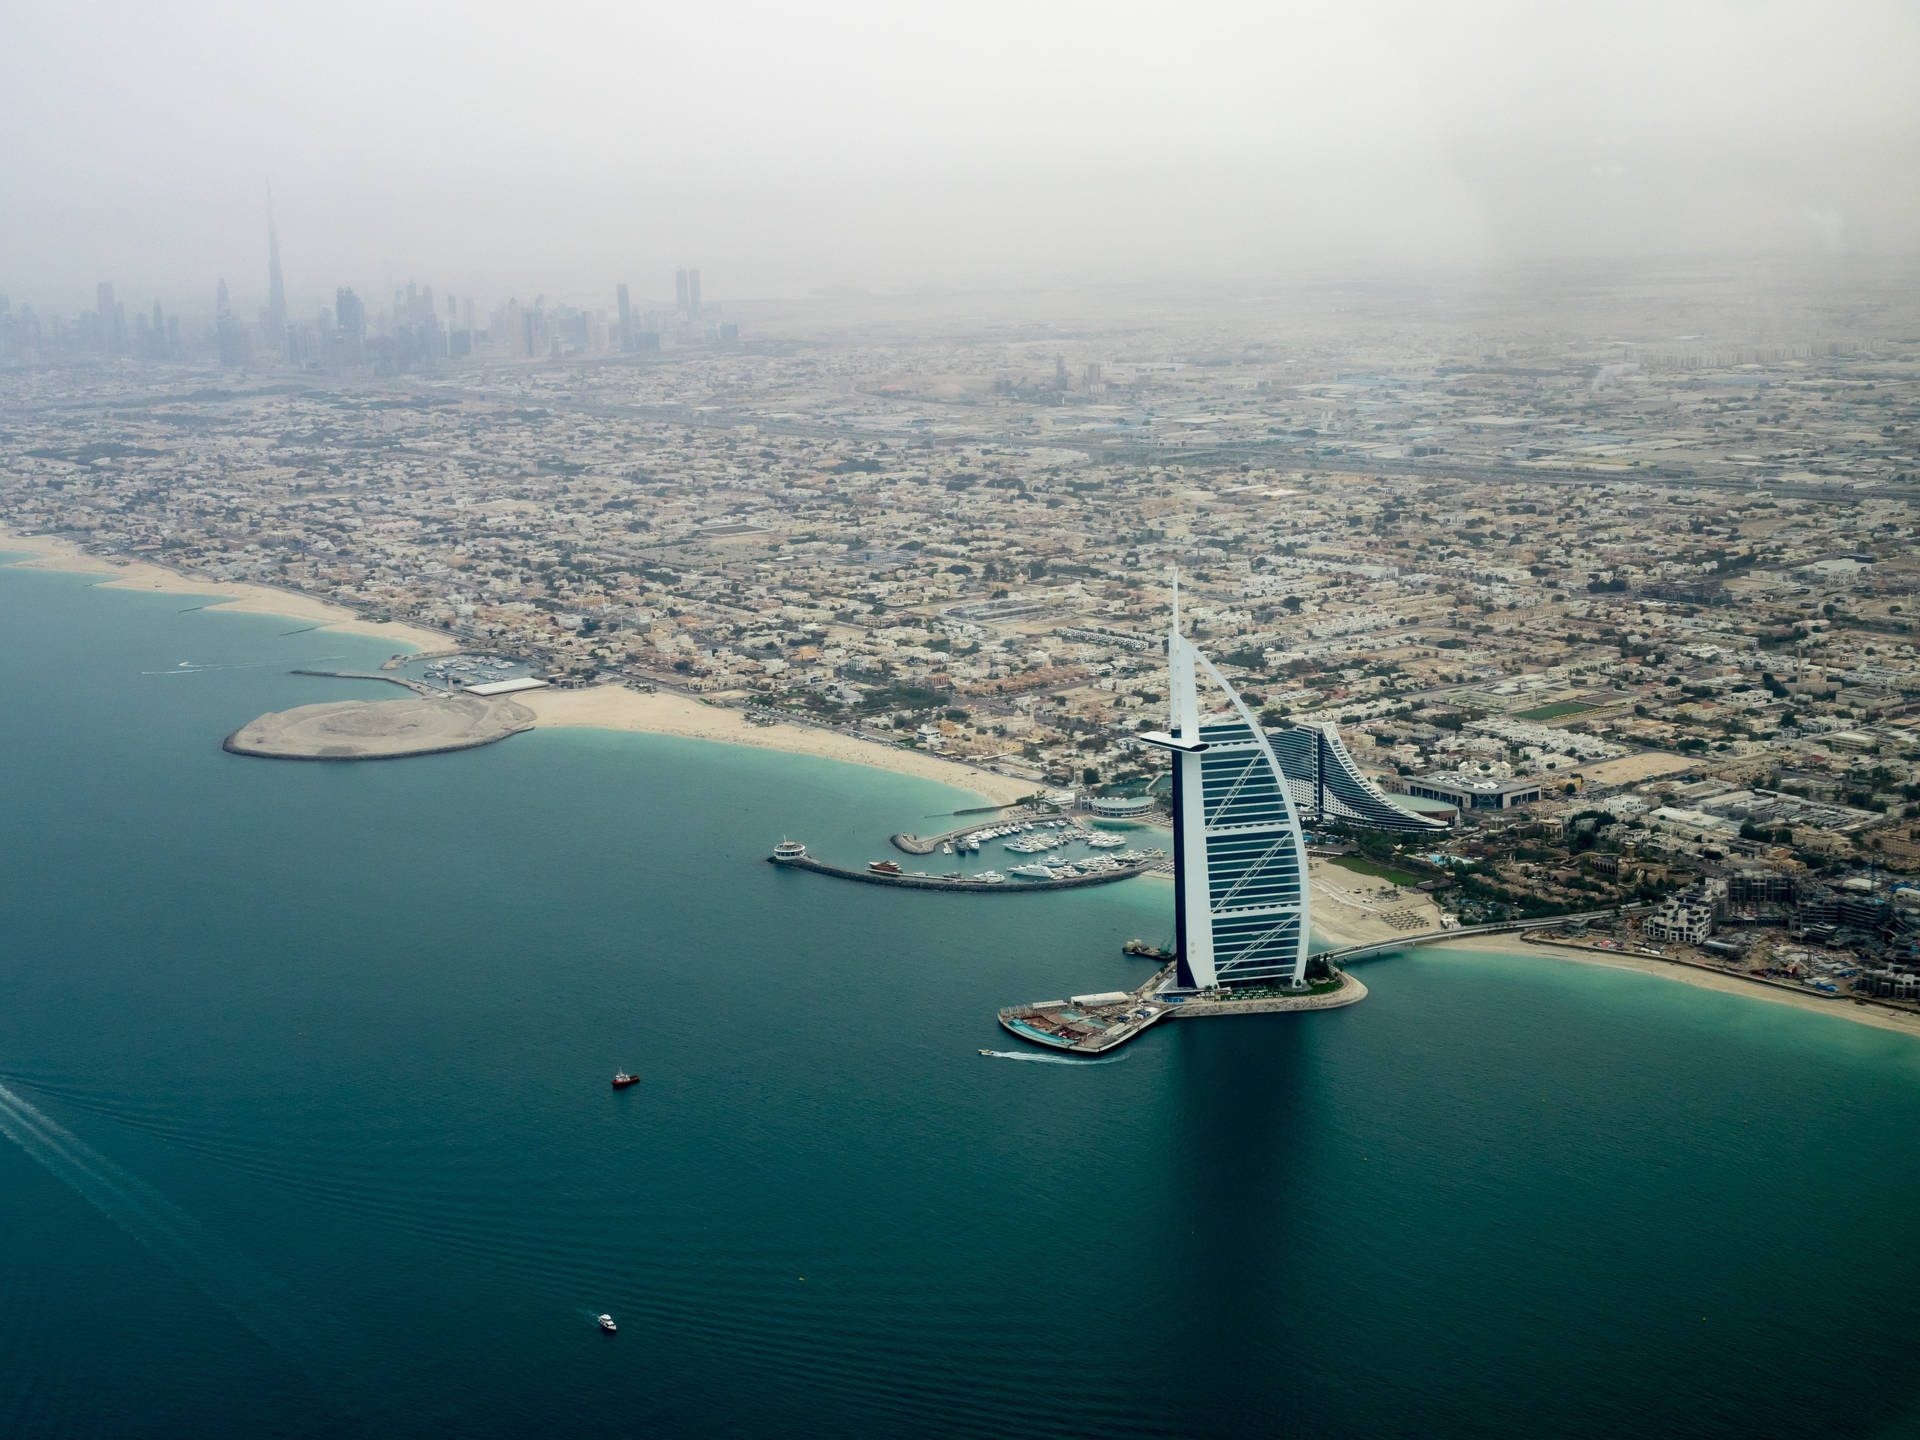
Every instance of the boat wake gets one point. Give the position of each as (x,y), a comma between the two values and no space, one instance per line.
(1033,1059)
(146,1216)
(188,667)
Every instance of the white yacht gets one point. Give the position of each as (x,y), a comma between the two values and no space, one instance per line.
(605,1322)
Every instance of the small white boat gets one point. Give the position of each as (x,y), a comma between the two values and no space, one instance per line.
(605,1322)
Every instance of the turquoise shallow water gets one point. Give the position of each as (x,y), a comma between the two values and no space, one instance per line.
(303,1073)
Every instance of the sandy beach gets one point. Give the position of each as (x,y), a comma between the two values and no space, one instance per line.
(1878,1016)
(48,552)
(1352,909)
(613,707)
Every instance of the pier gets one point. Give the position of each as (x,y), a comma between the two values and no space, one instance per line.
(991,815)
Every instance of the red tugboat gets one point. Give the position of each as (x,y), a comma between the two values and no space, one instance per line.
(622,1080)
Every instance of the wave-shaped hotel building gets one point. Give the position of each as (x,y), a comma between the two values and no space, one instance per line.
(1326,784)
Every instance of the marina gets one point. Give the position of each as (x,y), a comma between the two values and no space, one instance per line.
(1095,870)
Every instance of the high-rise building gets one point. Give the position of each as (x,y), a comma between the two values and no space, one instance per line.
(680,291)
(103,297)
(1241,906)
(349,313)
(276,291)
(519,332)
(236,348)
(693,294)
(626,317)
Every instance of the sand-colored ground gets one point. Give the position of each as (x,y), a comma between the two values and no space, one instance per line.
(1350,909)
(613,707)
(1631,768)
(381,729)
(1878,1016)
(49,552)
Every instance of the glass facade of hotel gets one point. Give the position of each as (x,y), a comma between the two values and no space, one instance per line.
(1255,860)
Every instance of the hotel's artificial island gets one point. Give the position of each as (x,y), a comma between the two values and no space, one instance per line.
(1242,908)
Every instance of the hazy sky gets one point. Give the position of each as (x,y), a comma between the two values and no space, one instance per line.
(561,147)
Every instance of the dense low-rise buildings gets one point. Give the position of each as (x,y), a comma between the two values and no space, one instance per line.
(1513,576)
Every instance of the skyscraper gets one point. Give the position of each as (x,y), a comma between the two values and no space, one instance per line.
(276,290)
(626,317)
(680,290)
(693,294)
(235,348)
(103,296)
(1241,909)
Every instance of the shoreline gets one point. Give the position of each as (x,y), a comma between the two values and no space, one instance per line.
(1340,921)
(1876,1016)
(614,707)
(600,707)
(52,552)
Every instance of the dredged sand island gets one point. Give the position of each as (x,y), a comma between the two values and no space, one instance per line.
(380,729)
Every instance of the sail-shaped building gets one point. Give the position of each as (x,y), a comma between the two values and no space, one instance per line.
(1241,908)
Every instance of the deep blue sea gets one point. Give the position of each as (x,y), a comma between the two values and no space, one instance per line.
(307,1130)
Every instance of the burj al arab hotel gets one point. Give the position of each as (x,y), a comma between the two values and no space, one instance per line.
(1241,913)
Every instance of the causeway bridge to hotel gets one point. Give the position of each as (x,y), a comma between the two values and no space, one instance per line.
(1466,932)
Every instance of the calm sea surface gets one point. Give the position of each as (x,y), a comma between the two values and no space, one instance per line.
(307,1130)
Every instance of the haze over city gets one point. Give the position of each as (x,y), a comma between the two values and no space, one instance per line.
(1090,720)
(797,147)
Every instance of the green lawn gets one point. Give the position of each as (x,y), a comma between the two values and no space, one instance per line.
(1361,866)
(1554,711)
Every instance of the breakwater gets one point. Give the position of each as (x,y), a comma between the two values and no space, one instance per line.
(925,845)
(963,885)
(413,685)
